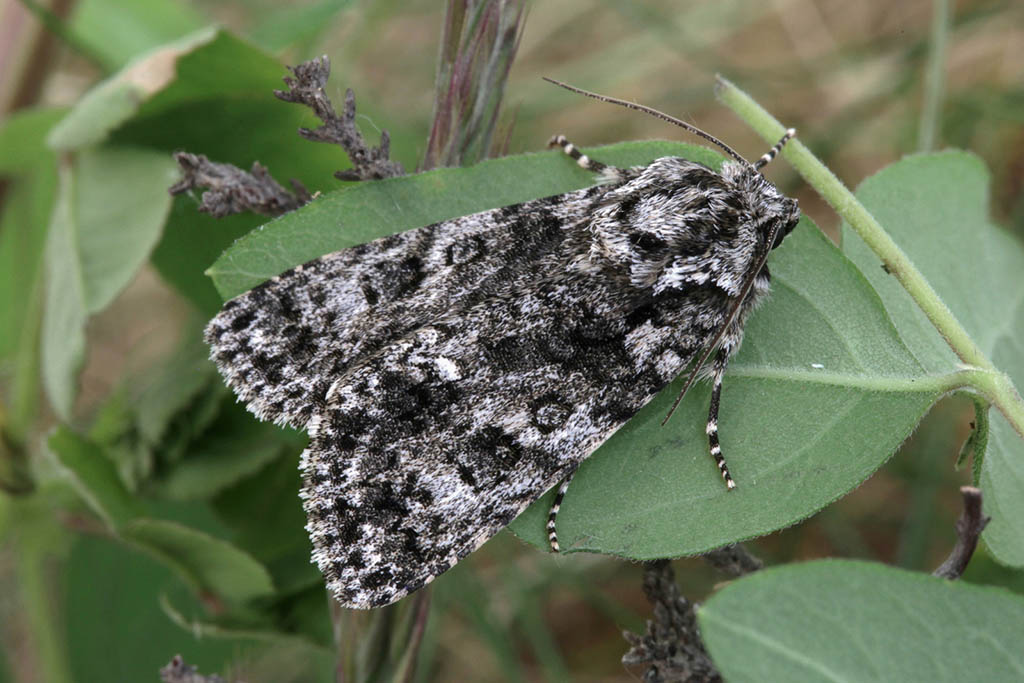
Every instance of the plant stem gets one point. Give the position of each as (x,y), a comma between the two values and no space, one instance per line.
(933,82)
(991,383)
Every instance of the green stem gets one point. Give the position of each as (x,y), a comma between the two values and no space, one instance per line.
(992,384)
(933,82)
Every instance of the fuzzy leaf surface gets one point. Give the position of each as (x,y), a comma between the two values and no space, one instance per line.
(935,207)
(857,621)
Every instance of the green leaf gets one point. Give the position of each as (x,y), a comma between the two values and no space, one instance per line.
(138,24)
(111,207)
(117,99)
(64,314)
(936,208)
(120,204)
(94,478)
(821,395)
(208,564)
(855,621)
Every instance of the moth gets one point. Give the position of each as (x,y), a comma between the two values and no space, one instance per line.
(449,375)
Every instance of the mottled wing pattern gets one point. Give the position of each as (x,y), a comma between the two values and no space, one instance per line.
(280,345)
(428,448)
(449,375)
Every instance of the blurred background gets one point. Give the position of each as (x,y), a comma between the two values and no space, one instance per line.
(853,78)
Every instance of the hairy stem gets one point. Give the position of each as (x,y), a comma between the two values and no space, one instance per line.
(992,384)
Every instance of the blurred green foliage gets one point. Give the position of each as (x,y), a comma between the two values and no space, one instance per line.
(150,515)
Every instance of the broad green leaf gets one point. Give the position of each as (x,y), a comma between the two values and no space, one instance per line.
(821,395)
(118,98)
(139,25)
(64,312)
(208,564)
(120,204)
(94,478)
(856,621)
(111,206)
(936,207)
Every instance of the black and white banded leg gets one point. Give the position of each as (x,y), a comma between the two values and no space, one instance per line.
(581,159)
(553,513)
(718,370)
(770,154)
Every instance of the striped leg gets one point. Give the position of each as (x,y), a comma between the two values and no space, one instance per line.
(552,534)
(583,160)
(718,368)
(770,154)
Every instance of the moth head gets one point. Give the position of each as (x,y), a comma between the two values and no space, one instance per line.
(678,224)
(768,208)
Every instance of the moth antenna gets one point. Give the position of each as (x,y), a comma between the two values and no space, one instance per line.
(748,284)
(776,148)
(655,113)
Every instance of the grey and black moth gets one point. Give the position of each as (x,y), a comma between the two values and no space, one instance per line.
(448,376)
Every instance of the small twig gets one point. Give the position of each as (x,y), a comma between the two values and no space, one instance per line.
(177,671)
(230,190)
(733,559)
(671,649)
(307,88)
(968,529)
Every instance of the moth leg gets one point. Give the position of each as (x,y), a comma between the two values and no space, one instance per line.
(770,154)
(583,160)
(718,370)
(562,488)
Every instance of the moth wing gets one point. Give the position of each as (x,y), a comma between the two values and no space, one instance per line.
(280,345)
(431,446)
